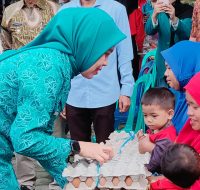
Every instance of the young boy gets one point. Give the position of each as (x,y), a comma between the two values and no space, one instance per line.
(158,109)
(181,165)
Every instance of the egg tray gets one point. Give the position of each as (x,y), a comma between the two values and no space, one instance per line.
(126,165)
(81,183)
(127,182)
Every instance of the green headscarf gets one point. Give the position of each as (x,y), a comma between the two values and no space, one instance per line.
(85,34)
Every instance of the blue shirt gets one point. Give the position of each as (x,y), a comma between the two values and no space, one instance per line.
(104,88)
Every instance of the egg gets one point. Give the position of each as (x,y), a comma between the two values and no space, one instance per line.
(89,181)
(115,181)
(128,181)
(102,181)
(76,182)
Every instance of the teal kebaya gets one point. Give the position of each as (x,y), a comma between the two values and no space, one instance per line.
(35,81)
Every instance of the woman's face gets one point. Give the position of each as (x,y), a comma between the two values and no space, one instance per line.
(193,112)
(100,63)
(170,78)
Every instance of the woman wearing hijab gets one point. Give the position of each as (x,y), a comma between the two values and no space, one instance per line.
(173,23)
(190,135)
(182,63)
(34,82)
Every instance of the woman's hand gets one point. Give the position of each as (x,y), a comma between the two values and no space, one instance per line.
(63,114)
(169,9)
(158,8)
(99,152)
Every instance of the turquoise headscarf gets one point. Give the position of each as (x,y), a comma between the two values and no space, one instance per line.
(85,34)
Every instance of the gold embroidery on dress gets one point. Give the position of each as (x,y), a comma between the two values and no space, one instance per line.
(26,23)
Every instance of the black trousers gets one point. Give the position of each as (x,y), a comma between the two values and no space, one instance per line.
(80,121)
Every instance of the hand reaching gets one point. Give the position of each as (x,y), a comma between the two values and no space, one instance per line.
(63,114)
(99,152)
(140,135)
(145,145)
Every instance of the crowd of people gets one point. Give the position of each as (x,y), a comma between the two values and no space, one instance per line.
(65,64)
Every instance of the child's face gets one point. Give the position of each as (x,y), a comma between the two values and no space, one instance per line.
(155,117)
(170,78)
(193,112)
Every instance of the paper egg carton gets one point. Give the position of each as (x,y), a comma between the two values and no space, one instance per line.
(114,182)
(83,183)
(81,176)
(127,182)
(125,170)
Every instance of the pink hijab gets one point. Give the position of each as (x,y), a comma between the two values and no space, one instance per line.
(187,135)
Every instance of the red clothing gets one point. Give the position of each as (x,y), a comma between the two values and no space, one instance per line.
(137,27)
(189,136)
(193,87)
(167,133)
(162,140)
(164,184)
(186,136)
(141,3)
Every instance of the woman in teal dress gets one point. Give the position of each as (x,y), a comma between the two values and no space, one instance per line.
(173,23)
(34,83)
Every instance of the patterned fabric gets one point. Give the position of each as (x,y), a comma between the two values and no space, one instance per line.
(195,33)
(6,151)
(34,84)
(29,104)
(22,24)
(85,39)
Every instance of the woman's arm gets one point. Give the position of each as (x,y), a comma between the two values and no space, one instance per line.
(184,28)
(43,82)
(152,24)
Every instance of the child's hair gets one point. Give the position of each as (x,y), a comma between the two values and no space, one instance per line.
(159,96)
(181,164)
